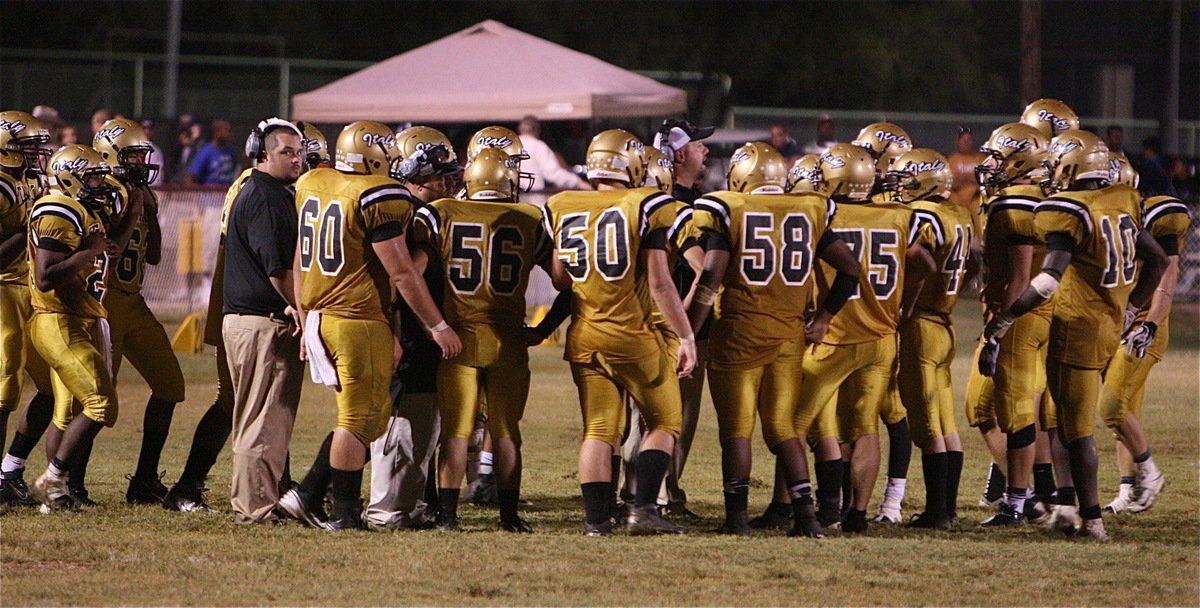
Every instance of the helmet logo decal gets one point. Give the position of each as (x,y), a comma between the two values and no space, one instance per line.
(882,135)
(1063,147)
(312,145)
(740,156)
(15,126)
(1060,124)
(73,165)
(1005,141)
(832,160)
(924,166)
(493,142)
(111,132)
(386,141)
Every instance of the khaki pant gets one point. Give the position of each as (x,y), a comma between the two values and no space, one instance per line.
(400,460)
(266,372)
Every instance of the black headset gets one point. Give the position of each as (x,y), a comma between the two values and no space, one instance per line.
(254,141)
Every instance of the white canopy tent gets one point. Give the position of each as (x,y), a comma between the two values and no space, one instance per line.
(488,72)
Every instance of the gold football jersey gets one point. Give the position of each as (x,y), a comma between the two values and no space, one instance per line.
(1166,217)
(1091,300)
(487,250)
(14,213)
(59,223)
(339,271)
(773,241)
(1008,221)
(952,230)
(129,270)
(599,236)
(216,294)
(683,239)
(879,234)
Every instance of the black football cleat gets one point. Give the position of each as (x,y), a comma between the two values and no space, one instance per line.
(771,521)
(187,498)
(15,493)
(645,521)
(1006,517)
(145,490)
(604,528)
(928,521)
(736,524)
(854,522)
(517,525)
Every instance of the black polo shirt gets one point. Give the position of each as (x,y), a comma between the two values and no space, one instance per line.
(260,241)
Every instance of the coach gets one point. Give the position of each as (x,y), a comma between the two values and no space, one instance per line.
(261,328)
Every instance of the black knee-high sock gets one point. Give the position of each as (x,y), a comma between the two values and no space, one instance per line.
(320,475)
(597,496)
(847,487)
(448,504)
(996,482)
(829,486)
(1043,481)
(899,449)
(156,427)
(954,466)
(737,496)
(38,414)
(347,492)
(509,500)
(79,464)
(211,433)
(651,469)
(936,467)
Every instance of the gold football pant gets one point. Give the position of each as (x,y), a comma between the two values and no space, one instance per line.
(926,353)
(17,355)
(857,375)
(138,336)
(1076,391)
(362,352)
(494,368)
(602,384)
(1006,399)
(75,348)
(1124,387)
(772,391)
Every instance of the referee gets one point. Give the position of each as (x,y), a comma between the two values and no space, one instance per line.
(261,328)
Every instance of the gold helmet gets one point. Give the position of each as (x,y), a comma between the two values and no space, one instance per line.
(21,139)
(123,144)
(803,175)
(491,176)
(1050,116)
(1014,151)
(660,170)
(885,141)
(1122,170)
(846,170)
(757,168)
(1073,156)
(497,137)
(366,147)
(316,147)
(618,155)
(919,174)
(80,172)
(432,148)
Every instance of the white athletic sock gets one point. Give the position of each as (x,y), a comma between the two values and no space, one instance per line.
(485,463)
(1016,500)
(894,494)
(56,473)
(1147,469)
(11,464)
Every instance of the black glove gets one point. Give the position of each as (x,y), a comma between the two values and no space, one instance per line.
(988,356)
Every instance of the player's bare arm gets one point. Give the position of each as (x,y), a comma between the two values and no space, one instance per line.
(154,236)
(394,255)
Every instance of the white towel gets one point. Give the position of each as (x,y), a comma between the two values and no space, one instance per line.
(320,366)
(105,336)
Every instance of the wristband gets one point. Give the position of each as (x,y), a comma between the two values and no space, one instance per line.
(689,340)
(443,326)
(705,295)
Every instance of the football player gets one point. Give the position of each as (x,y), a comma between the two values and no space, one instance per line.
(487,244)
(403,493)
(135,333)
(1009,402)
(1166,219)
(847,377)
(352,251)
(599,239)
(22,169)
(1094,230)
(773,240)
(69,248)
(316,147)
(922,178)
(886,142)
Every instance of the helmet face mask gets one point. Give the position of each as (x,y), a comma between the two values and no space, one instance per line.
(23,144)
(315,146)
(919,174)
(81,173)
(123,144)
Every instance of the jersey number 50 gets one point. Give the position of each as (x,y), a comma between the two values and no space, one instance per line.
(608,251)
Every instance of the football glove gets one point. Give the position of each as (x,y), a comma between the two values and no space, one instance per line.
(1139,338)
(1131,313)
(988,356)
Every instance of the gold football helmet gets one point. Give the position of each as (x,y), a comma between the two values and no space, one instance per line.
(757,168)
(366,147)
(885,141)
(1073,156)
(505,139)
(492,176)
(660,170)
(1050,116)
(618,155)
(123,144)
(803,175)
(22,138)
(316,147)
(1122,170)
(919,174)
(846,170)
(80,172)
(439,157)
(1014,151)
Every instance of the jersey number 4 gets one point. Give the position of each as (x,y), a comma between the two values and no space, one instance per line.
(465,266)
(321,235)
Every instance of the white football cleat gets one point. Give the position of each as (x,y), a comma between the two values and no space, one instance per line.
(48,490)
(1093,530)
(1120,504)
(1145,491)
(887,514)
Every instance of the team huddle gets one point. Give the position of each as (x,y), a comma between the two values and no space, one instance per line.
(817,299)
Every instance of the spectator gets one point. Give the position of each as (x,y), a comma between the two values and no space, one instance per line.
(962,164)
(783,142)
(99,117)
(156,156)
(824,136)
(1115,138)
(1153,176)
(215,163)
(1184,178)
(182,152)
(49,116)
(543,162)
(67,135)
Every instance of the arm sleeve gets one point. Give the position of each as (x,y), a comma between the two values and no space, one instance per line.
(383,205)
(425,228)
(1064,216)
(56,227)
(1168,224)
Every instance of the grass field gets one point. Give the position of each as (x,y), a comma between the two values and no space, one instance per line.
(124,555)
